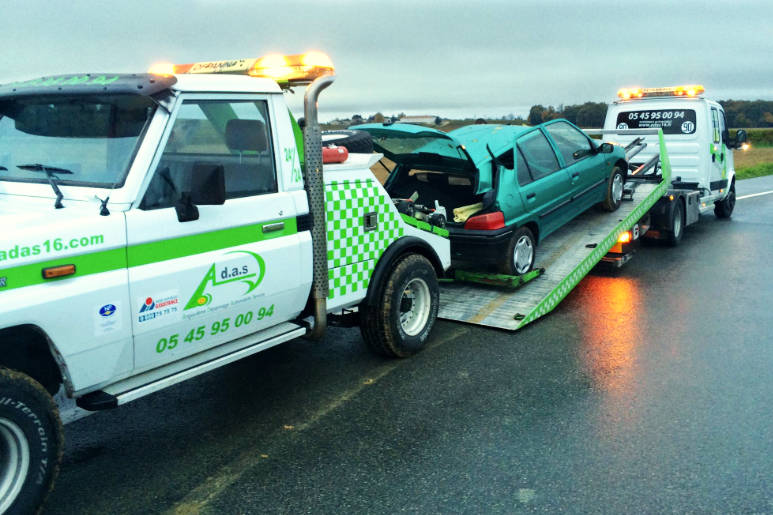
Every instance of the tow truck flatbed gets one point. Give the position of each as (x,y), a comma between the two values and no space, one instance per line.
(567,256)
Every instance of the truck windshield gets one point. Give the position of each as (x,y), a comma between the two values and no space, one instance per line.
(672,121)
(93,136)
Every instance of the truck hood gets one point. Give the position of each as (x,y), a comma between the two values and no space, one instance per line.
(420,147)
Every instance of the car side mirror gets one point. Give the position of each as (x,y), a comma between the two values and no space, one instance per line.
(207,188)
(579,154)
(606,148)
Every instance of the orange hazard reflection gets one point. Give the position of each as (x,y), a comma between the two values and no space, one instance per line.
(612,315)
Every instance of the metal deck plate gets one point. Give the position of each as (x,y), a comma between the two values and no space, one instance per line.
(567,256)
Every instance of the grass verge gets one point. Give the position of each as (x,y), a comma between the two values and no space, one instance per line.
(754,171)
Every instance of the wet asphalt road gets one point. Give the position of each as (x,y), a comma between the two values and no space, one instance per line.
(648,389)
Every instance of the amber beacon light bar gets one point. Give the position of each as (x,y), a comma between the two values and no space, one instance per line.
(690,90)
(286,70)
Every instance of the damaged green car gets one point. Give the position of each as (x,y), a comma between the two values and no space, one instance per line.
(507,186)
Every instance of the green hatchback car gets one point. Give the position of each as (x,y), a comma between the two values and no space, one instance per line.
(507,186)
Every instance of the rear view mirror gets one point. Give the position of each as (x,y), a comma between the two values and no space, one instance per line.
(579,154)
(606,148)
(207,188)
(208,184)
(740,139)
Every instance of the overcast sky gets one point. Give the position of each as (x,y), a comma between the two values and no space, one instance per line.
(447,58)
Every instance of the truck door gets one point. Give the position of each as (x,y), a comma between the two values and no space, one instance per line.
(237,268)
(718,167)
(547,191)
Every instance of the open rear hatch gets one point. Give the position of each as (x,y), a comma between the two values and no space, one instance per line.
(420,147)
(430,166)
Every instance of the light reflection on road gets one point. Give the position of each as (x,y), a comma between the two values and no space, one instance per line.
(612,315)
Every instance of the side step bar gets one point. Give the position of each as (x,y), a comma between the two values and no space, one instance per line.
(101,400)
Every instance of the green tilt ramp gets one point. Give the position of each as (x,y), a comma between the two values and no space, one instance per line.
(566,255)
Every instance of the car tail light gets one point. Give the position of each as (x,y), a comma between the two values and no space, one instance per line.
(486,222)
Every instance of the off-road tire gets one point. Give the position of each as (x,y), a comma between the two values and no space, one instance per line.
(676,225)
(615,184)
(380,323)
(356,142)
(508,265)
(724,208)
(29,419)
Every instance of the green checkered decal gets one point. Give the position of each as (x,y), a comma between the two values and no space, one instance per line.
(352,252)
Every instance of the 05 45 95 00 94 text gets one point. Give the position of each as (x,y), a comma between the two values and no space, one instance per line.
(217,327)
(50,246)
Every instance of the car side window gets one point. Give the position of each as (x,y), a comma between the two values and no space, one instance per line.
(524,175)
(568,140)
(212,134)
(538,154)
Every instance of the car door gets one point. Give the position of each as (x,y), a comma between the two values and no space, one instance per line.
(546,188)
(237,268)
(587,170)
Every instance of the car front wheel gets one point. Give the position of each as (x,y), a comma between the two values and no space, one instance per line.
(519,258)
(614,190)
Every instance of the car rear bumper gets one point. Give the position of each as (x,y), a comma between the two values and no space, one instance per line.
(469,247)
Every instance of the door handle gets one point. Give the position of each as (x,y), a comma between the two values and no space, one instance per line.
(575,175)
(530,196)
(278,226)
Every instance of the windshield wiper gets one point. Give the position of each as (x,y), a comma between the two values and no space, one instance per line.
(52,179)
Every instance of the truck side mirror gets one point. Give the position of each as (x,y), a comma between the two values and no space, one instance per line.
(207,188)
(740,138)
(208,184)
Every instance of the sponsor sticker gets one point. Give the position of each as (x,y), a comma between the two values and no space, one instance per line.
(154,307)
(107,319)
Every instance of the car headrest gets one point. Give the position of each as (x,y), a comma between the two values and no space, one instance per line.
(244,135)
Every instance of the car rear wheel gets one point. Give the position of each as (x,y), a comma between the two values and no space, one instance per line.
(614,190)
(519,258)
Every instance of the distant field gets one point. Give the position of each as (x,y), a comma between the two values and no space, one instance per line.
(755,162)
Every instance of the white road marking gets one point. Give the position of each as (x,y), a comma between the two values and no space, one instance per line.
(754,195)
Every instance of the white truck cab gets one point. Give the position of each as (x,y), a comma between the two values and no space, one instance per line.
(157,226)
(699,148)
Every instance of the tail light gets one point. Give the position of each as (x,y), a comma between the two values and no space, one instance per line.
(486,222)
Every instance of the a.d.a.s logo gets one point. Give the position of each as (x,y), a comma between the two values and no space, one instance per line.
(249,270)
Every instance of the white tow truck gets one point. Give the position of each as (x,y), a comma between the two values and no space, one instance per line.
(700,149)
(157,226)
